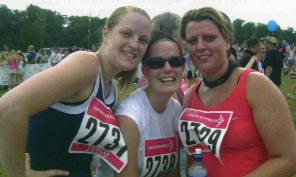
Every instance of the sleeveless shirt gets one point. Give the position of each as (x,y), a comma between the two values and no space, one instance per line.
(51,132)
(242,149)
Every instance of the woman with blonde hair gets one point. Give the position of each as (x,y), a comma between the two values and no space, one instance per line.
(68,114)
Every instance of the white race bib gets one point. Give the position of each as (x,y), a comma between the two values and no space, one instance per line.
(99,134)
(160,156)
(203,129)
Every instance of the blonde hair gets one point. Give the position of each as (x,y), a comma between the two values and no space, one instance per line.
(124,78)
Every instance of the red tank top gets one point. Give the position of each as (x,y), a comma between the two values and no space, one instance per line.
(242,149)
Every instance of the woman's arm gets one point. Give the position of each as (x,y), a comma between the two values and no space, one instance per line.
(252,60)
(131,137)
(274,123)
(268,71)
(71,79)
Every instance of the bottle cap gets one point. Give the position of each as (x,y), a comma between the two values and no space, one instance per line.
(197,151)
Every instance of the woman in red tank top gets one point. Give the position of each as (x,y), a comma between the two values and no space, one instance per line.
(239,118)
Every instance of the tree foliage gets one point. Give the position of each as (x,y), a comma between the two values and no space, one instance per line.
(47,28)
(243,30)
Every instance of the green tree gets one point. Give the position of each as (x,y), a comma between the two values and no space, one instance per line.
(46,28)
(51,21)
(7,27)
(238,30)
(248,29)
(289,35)
(261,30)
(32,34)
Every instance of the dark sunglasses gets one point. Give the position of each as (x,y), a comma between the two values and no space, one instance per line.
(158,62)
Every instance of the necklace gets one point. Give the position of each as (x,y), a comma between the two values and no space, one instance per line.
(231,66)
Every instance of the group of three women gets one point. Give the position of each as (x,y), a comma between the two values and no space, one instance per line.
(238,117)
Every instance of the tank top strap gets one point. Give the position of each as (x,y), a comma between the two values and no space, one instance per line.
(244,74)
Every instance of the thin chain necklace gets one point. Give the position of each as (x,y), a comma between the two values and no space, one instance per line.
(231,66)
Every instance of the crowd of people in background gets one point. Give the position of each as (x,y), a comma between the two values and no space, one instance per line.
(16,60)
(249,54)
(269,56)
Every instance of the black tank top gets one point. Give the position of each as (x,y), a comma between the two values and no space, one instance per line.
(51,132)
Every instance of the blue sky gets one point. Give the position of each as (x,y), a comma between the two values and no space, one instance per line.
(260,11)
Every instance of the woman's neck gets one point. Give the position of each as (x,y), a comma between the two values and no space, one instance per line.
(107,74)
(157,101)
(212,75)
(222,78)
(106,70)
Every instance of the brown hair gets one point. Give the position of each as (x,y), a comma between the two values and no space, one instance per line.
(220,19)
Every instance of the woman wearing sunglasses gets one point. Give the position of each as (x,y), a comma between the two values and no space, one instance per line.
(148,117)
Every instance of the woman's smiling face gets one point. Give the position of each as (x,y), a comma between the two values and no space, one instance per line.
(166,79)
(126,43)
(207,46)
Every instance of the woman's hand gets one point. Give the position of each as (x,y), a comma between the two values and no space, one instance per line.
(48,173)
(253,60)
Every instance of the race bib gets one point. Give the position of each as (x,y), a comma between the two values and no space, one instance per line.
(99,134)
(203,129)
(160,156)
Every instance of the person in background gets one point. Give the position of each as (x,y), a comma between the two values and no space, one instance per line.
(3,58)
(55,57)
(21,66)
(191,70)
(232,54)
(282,49)
(290,59)
(249,58)
(238,117)
(31,56)
(273,62)
(42,56)
(3,62)
(148,116)
(261,56)
(12,66)
(67,52)
(58,108)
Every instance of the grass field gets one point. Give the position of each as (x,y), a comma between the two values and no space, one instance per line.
(285,88)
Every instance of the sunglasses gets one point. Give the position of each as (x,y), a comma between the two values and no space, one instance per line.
(158,62)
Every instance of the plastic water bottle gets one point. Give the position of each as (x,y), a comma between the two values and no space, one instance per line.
(197,169)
